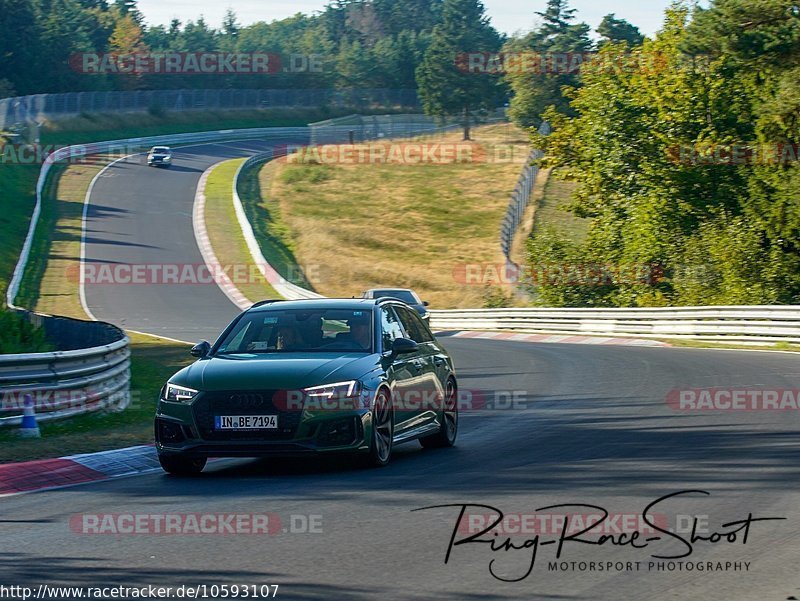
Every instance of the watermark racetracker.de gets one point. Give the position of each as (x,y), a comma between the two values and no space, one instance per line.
(195,63)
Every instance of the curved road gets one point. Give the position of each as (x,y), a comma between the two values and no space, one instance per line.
(142,216)
(591,426)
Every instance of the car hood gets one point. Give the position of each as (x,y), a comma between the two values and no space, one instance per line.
(275,371)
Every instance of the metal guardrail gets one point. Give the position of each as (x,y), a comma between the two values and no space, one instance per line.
(282,286)
(753,324)
(71,382)
(68,382)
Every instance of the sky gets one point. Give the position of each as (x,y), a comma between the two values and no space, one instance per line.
(507,16)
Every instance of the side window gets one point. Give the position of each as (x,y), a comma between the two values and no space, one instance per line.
(413,325)
(390,327)
(425,334)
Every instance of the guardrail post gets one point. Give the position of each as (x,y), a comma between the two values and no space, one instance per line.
(29,428)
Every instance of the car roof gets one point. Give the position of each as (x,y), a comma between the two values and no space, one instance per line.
(319,303)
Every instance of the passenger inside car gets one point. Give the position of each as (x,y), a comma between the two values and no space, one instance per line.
(286,338)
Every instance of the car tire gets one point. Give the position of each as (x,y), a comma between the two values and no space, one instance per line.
(447,434)
(380,448)
(178,465)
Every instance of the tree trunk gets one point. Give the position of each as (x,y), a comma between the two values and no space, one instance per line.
(466,124)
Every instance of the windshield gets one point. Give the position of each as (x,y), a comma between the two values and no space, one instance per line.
(404,295)
(300,330)
(160,149)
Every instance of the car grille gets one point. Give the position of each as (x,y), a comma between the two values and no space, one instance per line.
(235,402)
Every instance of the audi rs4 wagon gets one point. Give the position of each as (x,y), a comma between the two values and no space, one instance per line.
(293,378)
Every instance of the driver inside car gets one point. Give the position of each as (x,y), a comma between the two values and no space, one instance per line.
(358,336)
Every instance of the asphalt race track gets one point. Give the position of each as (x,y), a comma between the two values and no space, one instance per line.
(140,215)
(591,426)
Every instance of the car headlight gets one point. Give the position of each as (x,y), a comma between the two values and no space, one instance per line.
(339,390)
(178,394)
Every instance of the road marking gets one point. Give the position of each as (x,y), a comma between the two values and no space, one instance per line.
(224,282)
(550,339)
(86,202)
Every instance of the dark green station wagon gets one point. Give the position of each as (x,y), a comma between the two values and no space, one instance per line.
(293,378)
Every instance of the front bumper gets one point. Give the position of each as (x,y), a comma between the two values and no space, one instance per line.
(188,429)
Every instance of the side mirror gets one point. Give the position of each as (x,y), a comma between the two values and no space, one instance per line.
(426,304)
(201,349)
(404,346)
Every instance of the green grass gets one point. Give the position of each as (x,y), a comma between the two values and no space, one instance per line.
(550,209)
(17,335)
(779,346)
(225,234)
(359,226)
(153,362)
(273,234)
(34,270)
(18,193)
(51,283)
(18,182)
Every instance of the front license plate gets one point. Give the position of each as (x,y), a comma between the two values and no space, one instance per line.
(246,422)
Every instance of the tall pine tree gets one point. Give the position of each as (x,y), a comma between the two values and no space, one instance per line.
(444,87)
(557,35)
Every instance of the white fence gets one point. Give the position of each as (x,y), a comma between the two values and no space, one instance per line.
(521,197)
(519,202)
(23,109)
(759,324)
(360,128)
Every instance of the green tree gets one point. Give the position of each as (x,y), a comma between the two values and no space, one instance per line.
(129,8)
(128,38)
(557,36)
(409,15)
(613,30)
(199,37)
(230,31)
(638,145)
(19,45)
(444,88)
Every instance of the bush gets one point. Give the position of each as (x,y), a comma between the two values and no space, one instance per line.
(495,297)
(18,335)
(311,173)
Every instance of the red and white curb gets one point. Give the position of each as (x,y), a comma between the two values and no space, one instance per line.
(45,474)
(204,244)
(551,339)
